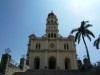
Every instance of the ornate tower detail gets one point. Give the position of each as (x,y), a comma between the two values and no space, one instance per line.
(52,26)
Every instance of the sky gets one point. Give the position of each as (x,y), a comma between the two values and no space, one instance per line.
(21,18)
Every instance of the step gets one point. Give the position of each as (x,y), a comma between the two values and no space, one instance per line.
(51,72)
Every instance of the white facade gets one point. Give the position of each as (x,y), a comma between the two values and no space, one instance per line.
(52,51)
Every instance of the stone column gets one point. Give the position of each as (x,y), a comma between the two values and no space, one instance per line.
(46,60)
(46,56)
(74,61)
(46,44)
(58,60)
(57,55)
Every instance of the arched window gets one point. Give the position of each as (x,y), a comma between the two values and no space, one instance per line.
(37,46)
(36,63)
(51,21)
(55,35)
(67,63)
(66,47)
(51,34)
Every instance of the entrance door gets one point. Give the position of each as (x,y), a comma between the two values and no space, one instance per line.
(52,63)
(36,63)
(67,63)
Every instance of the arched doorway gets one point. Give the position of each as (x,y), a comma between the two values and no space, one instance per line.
(36,63)
(67,63)
(52,63)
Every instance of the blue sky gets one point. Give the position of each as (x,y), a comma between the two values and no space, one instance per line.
(20,18)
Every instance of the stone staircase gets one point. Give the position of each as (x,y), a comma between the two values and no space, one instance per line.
(51,72)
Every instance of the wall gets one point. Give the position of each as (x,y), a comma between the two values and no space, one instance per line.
(10,69)
(60,59)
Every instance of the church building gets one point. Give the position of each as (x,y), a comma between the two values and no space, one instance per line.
(52,51)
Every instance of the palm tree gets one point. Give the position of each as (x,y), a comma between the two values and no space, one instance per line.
(97,42)
(84,32)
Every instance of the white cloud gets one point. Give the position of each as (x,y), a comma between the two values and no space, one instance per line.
(82,7)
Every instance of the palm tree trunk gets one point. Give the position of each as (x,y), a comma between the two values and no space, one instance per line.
(88,56)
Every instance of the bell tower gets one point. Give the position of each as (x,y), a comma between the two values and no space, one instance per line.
(52,26)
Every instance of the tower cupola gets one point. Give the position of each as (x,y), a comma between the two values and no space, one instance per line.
(52,25)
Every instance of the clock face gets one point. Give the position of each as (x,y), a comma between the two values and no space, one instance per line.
(52,45)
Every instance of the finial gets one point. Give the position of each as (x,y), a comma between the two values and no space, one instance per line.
(7,51)
(51,11)
(85,56)
(23,56)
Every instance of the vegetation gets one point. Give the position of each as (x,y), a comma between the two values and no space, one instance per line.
(97,42)
(84,32)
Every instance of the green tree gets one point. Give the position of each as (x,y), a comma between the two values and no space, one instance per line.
(97,42)
(84,32)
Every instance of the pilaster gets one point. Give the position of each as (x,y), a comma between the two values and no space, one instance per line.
(46,57)
(58,54)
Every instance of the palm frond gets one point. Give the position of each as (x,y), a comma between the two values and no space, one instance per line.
(89,32)
(95,42)
(88,25)
(97,46)
(86,21)
(76,36)
(99,37)
(88,37)
(79,38)
(74,30)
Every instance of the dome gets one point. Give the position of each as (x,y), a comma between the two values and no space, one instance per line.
(32,36)
(51,14)
(70,37)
